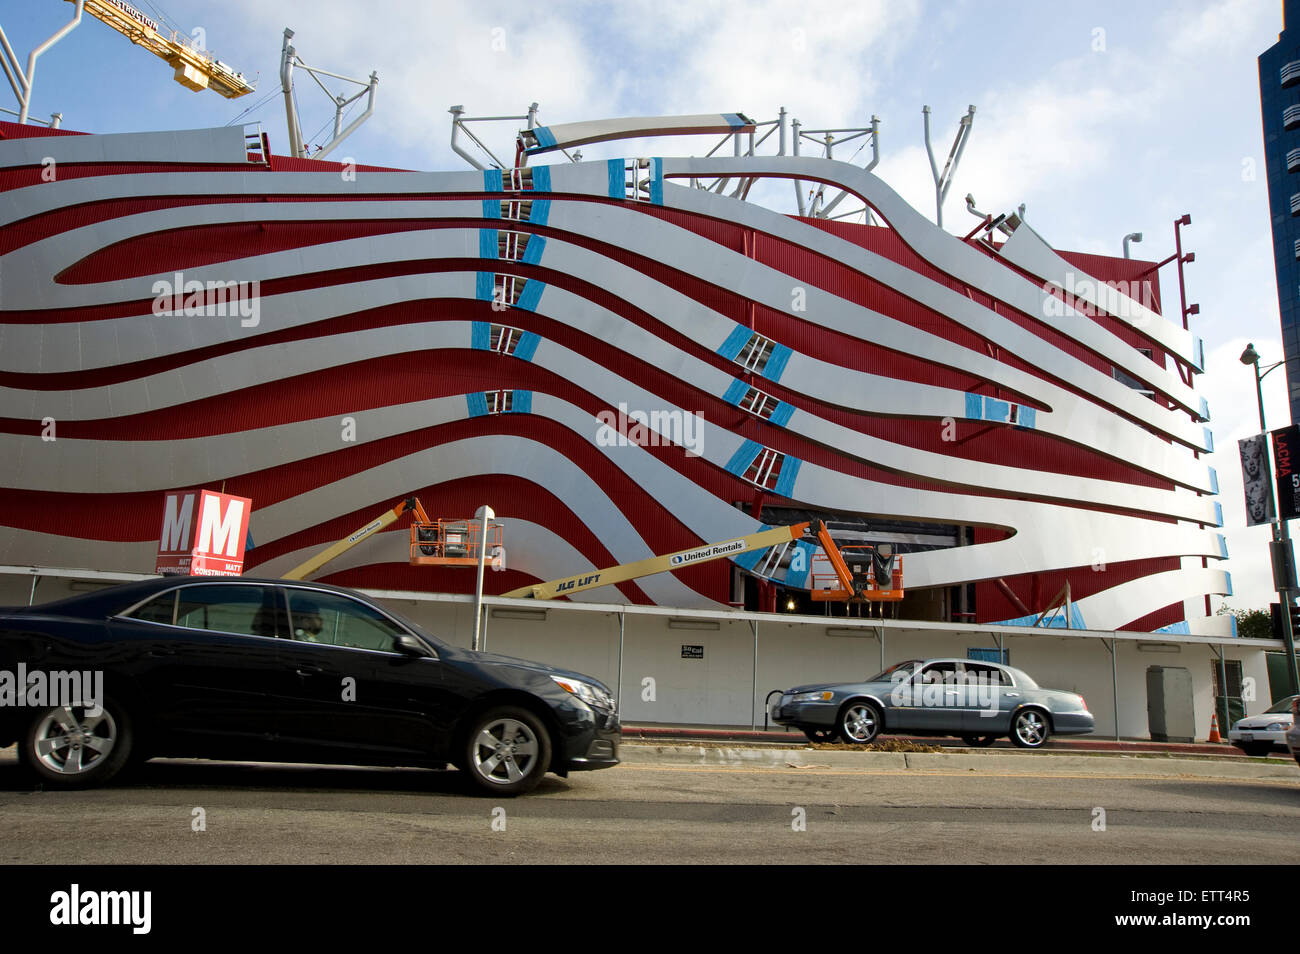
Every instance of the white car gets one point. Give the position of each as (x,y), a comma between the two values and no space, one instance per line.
(1259,734)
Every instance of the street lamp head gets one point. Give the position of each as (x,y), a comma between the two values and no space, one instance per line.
(1250,355)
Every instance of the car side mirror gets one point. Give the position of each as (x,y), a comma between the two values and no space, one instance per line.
(410,646)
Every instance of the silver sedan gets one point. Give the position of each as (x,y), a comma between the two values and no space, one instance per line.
(979,701)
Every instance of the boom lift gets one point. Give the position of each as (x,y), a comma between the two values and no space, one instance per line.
(433,542)
(660,564)
(855,573)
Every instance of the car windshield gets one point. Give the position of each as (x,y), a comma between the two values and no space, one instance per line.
(888,675)
(1282,705)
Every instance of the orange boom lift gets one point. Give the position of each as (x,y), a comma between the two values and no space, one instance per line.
(854,573)
(433,542)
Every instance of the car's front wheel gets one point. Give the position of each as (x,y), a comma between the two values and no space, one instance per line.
(1255,748)
(507,751)
(75,747)
(1029,729)
(859,723)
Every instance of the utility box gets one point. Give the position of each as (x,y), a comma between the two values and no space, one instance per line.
(1171,716)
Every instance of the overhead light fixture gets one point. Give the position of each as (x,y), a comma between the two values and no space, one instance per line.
(1159,648)
(862,633)
(506,613)
(677,623)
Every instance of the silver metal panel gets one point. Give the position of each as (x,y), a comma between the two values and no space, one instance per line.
(221,145)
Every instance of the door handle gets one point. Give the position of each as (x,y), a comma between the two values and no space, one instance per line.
(309,670)
(162,652)
(1013,695)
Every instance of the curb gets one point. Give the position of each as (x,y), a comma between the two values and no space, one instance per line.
(970,761)
(796,739)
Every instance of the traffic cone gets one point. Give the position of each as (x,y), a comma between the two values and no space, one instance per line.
(1214,728)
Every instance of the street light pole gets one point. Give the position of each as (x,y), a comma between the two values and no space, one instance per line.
(1281,533)
(486,515)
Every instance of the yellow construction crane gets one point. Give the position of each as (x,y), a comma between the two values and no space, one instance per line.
(196,69)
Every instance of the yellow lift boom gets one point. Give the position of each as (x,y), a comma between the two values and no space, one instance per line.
(660,564)
(303,570)
(195,69)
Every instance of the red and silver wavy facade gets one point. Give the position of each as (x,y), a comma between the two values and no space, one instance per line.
(894,372)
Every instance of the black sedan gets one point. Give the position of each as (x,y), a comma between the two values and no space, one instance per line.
(272,670)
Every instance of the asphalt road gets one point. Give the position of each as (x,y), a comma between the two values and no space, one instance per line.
(672,806)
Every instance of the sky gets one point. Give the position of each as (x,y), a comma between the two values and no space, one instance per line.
(1102,118)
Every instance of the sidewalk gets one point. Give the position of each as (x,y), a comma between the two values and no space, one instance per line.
(719,733)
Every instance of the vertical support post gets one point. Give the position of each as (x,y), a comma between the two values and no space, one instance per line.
(753,681)
(1223,687)
(456,112)
(30,78)
(798,186)
(880,636)
(618,689)
(944,180)
(1114,682)
(287,54)
(780,128)
(1178,253)
(485,514)
(31,597)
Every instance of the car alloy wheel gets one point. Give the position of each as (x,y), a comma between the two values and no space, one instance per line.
(1029,729)
(859,723)
(508,751)
(72,747)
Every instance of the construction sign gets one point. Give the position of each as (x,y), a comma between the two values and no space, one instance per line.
(203,533)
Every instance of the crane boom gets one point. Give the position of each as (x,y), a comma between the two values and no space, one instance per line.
(660,564)
(195,68)
(310,566)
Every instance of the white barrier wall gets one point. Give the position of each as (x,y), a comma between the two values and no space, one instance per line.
(726,687)
(718,689)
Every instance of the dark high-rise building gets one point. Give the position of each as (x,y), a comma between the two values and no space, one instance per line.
(1279,94)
